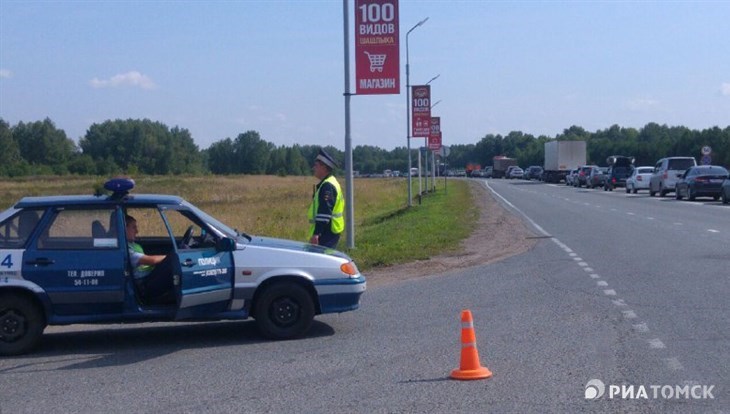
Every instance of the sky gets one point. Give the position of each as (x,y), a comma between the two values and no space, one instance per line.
(221,68)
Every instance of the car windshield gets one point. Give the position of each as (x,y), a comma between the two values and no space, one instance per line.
(680,163)
(648,170)
(224,229)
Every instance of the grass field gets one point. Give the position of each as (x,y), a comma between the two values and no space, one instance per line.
(386,230)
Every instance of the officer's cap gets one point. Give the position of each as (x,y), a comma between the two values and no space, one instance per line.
(326,159)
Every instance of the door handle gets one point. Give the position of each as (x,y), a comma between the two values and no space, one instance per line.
(41,261)
(188,263)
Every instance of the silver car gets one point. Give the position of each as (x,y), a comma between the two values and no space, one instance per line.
(666,172)
(639,179)
(516,172)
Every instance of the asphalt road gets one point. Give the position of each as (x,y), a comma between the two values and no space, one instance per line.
(629,290)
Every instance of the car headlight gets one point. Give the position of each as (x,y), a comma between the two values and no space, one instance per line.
(349,268)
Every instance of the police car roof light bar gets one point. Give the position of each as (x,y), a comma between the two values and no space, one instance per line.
(119,186)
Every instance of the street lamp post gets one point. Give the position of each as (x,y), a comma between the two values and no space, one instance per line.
(408,113)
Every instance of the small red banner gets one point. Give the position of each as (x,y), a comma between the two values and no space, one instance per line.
(421,110)
(434,138)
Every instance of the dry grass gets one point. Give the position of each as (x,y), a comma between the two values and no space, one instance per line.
(264,205)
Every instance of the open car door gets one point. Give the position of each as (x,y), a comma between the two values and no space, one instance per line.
(205,284)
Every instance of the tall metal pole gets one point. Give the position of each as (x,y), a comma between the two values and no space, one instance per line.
(349,182)
(408,115)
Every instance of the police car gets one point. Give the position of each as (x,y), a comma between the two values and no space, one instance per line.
(65,260)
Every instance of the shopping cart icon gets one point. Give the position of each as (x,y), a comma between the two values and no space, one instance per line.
(376,62)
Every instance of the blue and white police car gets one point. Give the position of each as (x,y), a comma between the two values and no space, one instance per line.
(66,260)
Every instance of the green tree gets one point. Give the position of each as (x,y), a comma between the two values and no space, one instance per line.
(44,146)
(142,145)
(11,163)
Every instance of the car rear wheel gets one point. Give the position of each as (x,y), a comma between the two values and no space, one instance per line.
(725,199)
(677,194)
(21,324)
(284,311)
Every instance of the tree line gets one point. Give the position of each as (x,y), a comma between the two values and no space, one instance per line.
(135,146)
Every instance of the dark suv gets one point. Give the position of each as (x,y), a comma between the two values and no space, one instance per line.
(619,169)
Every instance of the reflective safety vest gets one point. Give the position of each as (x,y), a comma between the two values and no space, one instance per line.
(141,270)
(337,220)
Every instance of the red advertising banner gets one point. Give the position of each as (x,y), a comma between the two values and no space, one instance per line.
(377,50)
(421,110)
(434,138)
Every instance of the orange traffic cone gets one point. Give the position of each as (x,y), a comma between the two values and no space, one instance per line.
(469,366)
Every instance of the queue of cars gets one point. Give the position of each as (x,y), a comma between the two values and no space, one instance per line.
(679,175)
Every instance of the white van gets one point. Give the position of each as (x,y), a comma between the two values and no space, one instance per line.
(666,171)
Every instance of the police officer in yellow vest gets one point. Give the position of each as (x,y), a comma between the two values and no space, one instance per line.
(326,211)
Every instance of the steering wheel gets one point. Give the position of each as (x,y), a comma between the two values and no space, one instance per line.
(185,242)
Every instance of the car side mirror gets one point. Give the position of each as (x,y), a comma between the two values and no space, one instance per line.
(225,244)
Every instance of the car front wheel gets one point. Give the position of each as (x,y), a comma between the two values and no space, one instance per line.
(21,324)
(284,311)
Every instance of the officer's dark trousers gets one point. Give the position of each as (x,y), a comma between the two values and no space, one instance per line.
(329,240)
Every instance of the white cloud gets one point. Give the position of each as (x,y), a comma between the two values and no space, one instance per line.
(5,74)
(641,104)
(725,89)
(132,78)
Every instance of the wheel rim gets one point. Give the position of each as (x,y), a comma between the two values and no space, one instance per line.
(12,325)
(284,311)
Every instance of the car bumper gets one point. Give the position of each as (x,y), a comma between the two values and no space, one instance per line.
(340,295)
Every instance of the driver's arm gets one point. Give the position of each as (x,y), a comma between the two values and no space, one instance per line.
(151,260)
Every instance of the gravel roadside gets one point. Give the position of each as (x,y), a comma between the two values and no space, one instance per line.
(499,234)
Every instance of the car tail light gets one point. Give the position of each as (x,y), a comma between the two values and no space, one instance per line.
(638,178)
(665,175)
(702,179)
(613,180)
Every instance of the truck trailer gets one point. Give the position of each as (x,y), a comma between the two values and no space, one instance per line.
(561,157)
(500,163)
